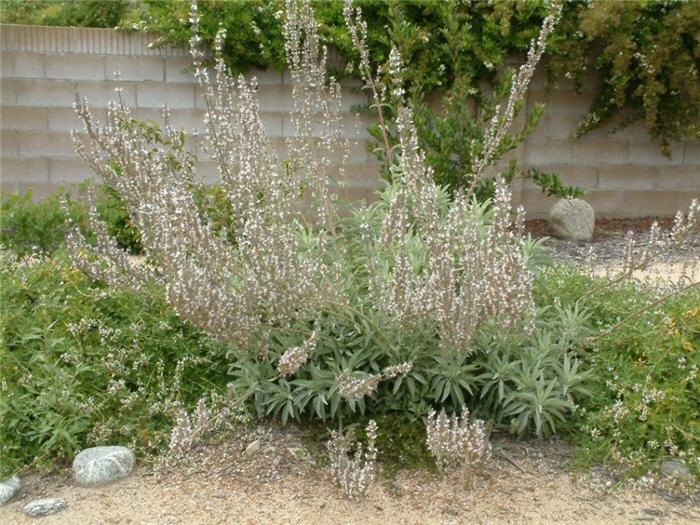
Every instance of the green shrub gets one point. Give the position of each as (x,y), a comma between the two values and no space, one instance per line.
(85,365)
(27,226)
(645,403)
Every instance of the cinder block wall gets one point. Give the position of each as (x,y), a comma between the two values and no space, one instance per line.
(42,68)
(625,174)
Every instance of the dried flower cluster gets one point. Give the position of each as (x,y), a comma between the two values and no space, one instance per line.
(455,441)
(352,388)
(188,431)
(501,122)
(296,356)
(433,262)
(464,274)
(354,474)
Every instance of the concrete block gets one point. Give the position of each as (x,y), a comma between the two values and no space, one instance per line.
(39,190)
(562,102)
(8,143)
(279,146)
(7,188)
(691,155)
(45,144)
(626,177)
(358,153)
(606,203)
(276,98)
(681,177)
(355,194)
(45,93)
(350,126)
(155,95)
(8,91)
(22,117)
(649,153)
(642,203)
(635,132)
(148,114)
(554,126)
(66,119)
(272,122)
(266,77)
(17,64)
(74,67)
(599,152)
(179,70)
(685,198)
(69,171)
(208,172)
(189,119)
(24,170)
(99,94)
(135,68)
(364,175)
(542,154)
(536,203)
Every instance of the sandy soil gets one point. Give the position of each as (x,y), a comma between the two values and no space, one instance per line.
(544,491)
(678,272)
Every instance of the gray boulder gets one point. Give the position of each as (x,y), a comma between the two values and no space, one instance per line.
(44,507)
(8,488)
(101,465)
(572,219)
(677,469)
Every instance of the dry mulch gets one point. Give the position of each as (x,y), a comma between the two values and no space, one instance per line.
(603,227)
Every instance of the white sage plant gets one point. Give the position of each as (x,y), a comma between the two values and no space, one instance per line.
(267,276)
(353,472)
(451,264)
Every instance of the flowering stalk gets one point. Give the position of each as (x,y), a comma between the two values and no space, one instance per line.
(500,123)
(354,474)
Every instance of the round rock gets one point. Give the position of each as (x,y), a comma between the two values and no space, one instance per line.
(8,488)
(572,219)
(675,468)
(100,465)
(44,507)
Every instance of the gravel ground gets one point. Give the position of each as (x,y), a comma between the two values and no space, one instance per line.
(605,253)
(237,488)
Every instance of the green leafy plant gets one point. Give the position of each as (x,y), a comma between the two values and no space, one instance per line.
(85,365)
(551,184)
(27,226)
(643,404)
(646,53)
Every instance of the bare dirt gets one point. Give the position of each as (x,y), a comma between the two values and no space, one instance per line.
(235,488)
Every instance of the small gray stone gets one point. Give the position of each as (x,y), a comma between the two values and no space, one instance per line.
(44,507)
(675,468)
(572,219)
(253,448)
(100,465)
(8,488)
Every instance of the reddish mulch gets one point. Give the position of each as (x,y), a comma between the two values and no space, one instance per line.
(603,227)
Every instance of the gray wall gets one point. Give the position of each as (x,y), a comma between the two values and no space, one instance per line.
(43,67)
